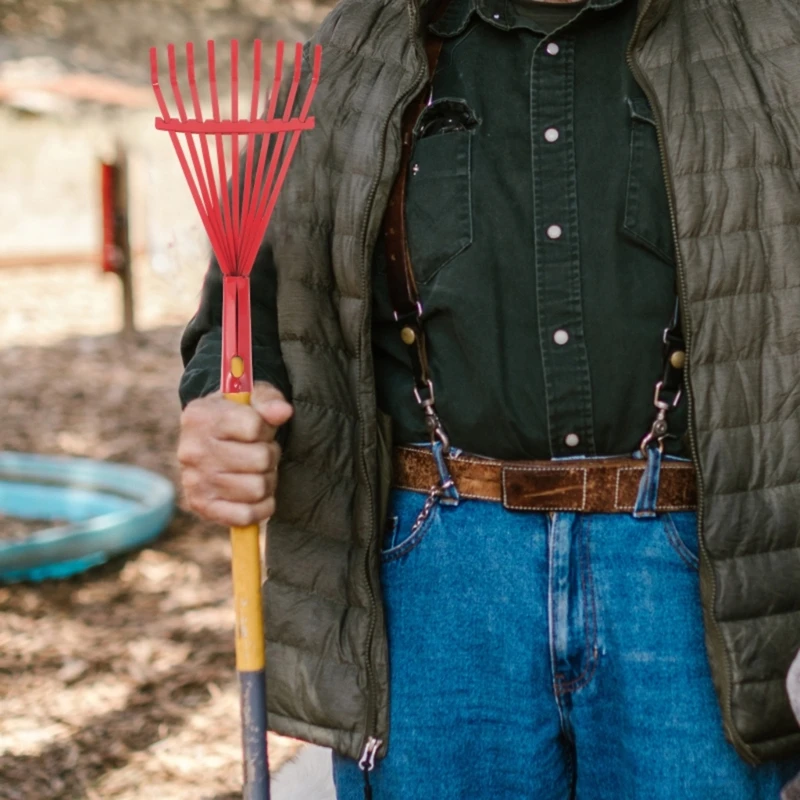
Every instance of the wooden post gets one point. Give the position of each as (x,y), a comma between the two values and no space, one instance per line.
(117,256)
(124,242)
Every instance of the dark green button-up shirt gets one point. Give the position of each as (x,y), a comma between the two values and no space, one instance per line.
(540,235)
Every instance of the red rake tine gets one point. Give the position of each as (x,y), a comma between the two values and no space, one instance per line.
(260,188)
(254,240)
(214,206)
(251,139)
(264,222)
(235,147)
(198,170)
(166,117)
(223,173)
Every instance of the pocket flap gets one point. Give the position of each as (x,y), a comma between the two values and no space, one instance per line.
(640,109)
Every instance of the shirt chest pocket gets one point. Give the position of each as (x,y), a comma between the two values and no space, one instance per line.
(647,212)
(439,188)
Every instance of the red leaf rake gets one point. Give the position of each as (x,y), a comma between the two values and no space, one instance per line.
(236,220)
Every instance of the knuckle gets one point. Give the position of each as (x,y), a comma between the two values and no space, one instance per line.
(190,480)
(260,488)
(195,413)
(198,503)
(187,450)
(273,456)
(261,457)
(242,515)
(276,452)
(242,423)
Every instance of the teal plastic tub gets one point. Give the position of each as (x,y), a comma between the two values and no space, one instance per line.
(105,509)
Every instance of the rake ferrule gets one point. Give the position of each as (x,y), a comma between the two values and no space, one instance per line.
(237,349)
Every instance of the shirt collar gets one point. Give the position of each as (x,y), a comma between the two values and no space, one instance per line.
(459,12)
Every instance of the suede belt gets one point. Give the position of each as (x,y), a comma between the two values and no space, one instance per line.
(604,485)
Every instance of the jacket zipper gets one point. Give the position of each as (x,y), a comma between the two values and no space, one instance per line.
(684,296)
(371,743)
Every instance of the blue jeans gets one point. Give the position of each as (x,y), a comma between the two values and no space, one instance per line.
(549,657)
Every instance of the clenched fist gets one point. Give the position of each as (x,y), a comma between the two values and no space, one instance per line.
(229,456)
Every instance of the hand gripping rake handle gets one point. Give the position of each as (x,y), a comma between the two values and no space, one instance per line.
(236,211)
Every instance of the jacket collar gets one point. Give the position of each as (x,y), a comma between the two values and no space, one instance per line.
(458,13)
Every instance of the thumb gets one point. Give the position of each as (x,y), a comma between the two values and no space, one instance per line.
(270,404)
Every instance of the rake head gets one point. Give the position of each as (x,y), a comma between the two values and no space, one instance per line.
(235,204)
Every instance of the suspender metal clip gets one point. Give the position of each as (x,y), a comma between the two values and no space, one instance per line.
(660,427)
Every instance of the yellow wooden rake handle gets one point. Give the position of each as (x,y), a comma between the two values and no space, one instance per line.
(246,563)
(246,566)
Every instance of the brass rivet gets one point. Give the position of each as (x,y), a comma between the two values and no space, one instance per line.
(408,336)
(678,359)
(392,258)
(391,231)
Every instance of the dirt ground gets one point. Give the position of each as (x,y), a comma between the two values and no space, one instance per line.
(119,683)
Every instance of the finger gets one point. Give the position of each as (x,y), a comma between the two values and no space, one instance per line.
(239,514)
(244,488)
(239,423)
(271,405)
(255,458)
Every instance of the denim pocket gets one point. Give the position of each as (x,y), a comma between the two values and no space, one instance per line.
(681,531)
(647,213)
(439,192)
(405,507)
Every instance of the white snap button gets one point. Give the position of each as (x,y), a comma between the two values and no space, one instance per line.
(554,231)
(561,337)
(495,16)
(551,134)
(552,49)
(572,440)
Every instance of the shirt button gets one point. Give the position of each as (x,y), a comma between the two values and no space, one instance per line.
(551,134)
(552,49)
(572,440)
(560,337)
(554,231)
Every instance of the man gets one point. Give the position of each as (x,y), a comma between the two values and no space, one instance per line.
(468,295)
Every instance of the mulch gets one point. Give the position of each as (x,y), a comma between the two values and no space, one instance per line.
(118,683)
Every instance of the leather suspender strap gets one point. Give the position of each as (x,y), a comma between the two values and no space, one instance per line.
(403,291)
(670,388)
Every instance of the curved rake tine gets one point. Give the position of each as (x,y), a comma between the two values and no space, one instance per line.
(266,140)
(166,116)
(208,199)
(235,145)
(213,195)
(273,192)
(257,235)
(251,139)
(223,172)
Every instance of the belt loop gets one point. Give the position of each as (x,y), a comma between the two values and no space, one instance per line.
(647,499)
(449,495)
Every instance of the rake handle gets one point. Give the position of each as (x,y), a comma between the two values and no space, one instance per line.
(246,567)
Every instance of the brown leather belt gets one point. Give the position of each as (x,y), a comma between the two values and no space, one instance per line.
(605,485)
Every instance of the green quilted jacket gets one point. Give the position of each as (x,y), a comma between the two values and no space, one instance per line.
(723,77)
